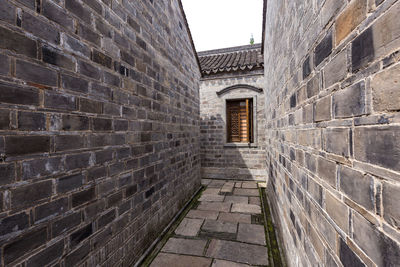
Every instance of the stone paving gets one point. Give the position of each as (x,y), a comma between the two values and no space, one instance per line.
(225,229)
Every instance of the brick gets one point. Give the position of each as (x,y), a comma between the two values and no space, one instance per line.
(101,59)
(30,121)
(66,223)
(74,83)
(35,73)
(57,14)
(313,86)
(111,79)
(337,141)
(40,29)
(350,18)
(362,50)
(315,191)
(75,123)
(14,223)
(82,197)
(69,183)
(23,244)
(101,91)
(47,255)
(88,70)
(106,218)
(23,145)
(69,142)
(378,145)
(390,200)
(329,9)
(306,68)
(103,28)
(7,173)
(350,102)
(38,168)
(96,6)
(327,171)
(101,124)
(23,196)
(74,45)
(323,49)
(88,34)
(17,43)
(322,109)
(81,234)
(380,248)
(51,209)
(385,91)
(338,211)
(28,3)
(73,258)
(54,57)
(60,101)
(5,65)
(357,186)
(308,113)
(78,161)
(90,106)
(7,12)
(78,10)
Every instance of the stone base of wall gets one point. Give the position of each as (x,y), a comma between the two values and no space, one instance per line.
(234,174)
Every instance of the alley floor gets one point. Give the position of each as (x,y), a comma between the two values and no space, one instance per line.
(225,227)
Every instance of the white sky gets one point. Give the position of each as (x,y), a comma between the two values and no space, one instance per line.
(223,23)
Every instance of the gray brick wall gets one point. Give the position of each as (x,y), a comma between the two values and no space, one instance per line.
(218,160)
(99,128)
(332,102)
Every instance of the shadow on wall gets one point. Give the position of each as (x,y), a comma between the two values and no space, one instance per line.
(219,161)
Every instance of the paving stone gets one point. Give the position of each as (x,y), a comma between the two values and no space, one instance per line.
(203,214)
(189,227)
(255,201)
(238,184)
(164,259)
(245,192)
(215,206)
(234,217)
(217,183)
(252,185)
(205,182)
(212,198)
(238,252)
(236,199)
(246,208)
(185,246)
(218,229)
(251,233)
(222,263)
(211,191)
(228,187)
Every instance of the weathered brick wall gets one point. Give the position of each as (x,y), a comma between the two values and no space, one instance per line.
(218,160)
(333,154)
(99,128)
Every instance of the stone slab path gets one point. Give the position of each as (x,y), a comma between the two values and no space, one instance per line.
(225,229)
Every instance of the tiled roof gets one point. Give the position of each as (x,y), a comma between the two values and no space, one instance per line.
(240,58)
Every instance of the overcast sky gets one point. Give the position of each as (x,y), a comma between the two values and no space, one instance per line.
(223,23)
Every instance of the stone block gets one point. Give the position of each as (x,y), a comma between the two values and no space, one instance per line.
(350,18)
(378,145)
(313,86)
(76,8)
(51,209)
(306,67)
(308,113)
(30,121)
(189,227)
(75,123)
(57,14)
(35,73)
(90,106)
(89,35)
(40,28)
(218,229)
(24,145)
(58,58)
(76,256)
(7,12)
(89,70)
(336,70)
(315,191)
(74,45)
(251,233)
(327,171)
(84,196)
(23,196)
(385,89)
(5,65)
(7,173)
(347,256)
(246,208)
(14,94)
(234,217)
(322,109)
(362,50)
(37,168)
(14,223)
(81,234)
(185,246)
(101,58)
(165,259)
(329,10)
(238,252)
(357,186)
(323,49)
(350,102)
(60,101)
(390,201)
(337,141)
(69,183)
(17,43)
(338,211)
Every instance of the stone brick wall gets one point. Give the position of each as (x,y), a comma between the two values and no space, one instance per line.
(217,159)
(99,128)
(333,154)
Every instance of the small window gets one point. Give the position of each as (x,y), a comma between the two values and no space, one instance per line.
(239,114)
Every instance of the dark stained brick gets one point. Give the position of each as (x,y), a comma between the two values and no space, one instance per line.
(7,173)
(24,196)
(90,106)
(57,58)
(17,43)
(76,8)
(75,123)
(57,14)
(89,35)
(64,224)
(323,49)
(69,183)
(4,119)
(40,29)
(51,209)
(48,255)
(35,73)
(101,59)
(15,94)
(14,223)
(81,234)
(362,50)
(306,67)
(23,145)
(60,101)
(347,256)
(89,70)
(31,121)
(74,83)
(76,46)
(69,142)
(82,197)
